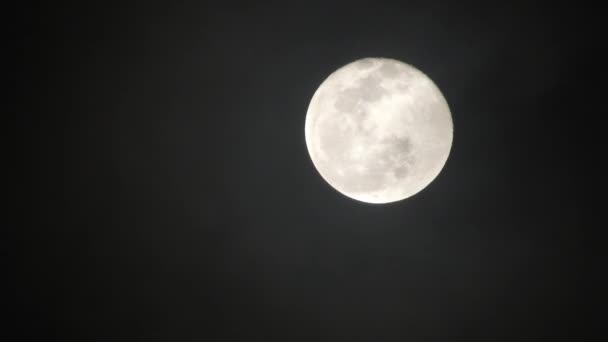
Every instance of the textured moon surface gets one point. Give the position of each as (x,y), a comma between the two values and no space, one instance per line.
(378,130)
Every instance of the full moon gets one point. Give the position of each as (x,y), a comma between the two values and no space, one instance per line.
(378,130)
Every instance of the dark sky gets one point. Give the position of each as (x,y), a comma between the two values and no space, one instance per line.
(164,191)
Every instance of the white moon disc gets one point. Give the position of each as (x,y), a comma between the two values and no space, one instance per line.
(378,130)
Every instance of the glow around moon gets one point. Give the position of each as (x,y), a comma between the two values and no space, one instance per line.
(378,130)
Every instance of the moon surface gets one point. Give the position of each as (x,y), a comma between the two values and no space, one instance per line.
(378,130)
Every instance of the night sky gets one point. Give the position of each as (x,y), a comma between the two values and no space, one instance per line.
(164,192)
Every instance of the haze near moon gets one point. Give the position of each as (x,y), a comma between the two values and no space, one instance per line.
(378,130)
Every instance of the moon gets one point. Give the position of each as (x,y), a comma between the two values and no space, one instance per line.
(378,130)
